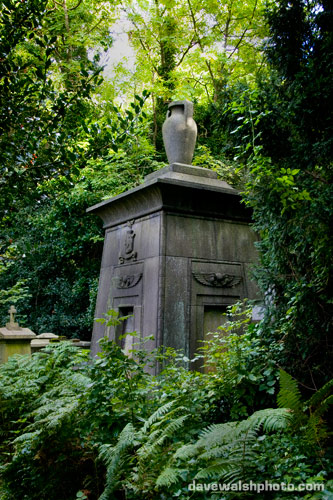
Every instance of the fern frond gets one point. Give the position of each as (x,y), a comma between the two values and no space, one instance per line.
(270,419)
(324,406)
(216,434)
(167,417)
(27,436)
(316,429)
(167,477)
(243,442)
(150,449)
(321,394)
(243,453)
(174,426)
(113,457)
(185,452)
(318,405)
(289,395)
(156,416)
(106,453)
(215,452)
(216,470)
(234,475)
(152,438)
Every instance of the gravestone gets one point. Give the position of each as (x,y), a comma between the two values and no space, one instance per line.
(177,252)
(13,338)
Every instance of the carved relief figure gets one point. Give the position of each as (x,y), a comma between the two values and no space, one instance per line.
(128,253)
(128,281)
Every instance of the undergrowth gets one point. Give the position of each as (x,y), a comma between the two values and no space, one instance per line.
(73,427)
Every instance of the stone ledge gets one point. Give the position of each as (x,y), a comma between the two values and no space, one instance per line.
(21,334)
(181,168)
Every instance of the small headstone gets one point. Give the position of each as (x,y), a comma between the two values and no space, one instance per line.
(13,338)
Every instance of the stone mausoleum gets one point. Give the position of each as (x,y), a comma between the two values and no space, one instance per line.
(178,250)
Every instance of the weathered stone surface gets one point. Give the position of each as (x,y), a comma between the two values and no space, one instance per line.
(42,340)
(179,132)
(181,168)
(188,256)
(14,339)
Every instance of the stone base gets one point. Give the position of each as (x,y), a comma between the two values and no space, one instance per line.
(15,342)
(177,252)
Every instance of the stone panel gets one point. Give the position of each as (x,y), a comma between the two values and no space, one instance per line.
(176,304)
(222,239)
(145,236)
(102,306)
(252,290)
(127,280)
(111,247)
(150,300)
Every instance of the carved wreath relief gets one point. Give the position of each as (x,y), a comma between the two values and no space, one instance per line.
(127,253)
(217,279)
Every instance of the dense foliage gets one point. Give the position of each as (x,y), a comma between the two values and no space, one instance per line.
(52,135)
(74,428)
(290,188)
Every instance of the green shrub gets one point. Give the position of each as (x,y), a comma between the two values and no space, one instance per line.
(74,427)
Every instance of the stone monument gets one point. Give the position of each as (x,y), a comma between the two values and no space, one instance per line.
(14,339)
(43,340)
(177,249)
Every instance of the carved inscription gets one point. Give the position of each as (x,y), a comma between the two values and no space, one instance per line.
(127,253)
(218,280)
(128,281)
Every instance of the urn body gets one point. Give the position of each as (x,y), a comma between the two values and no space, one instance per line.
(179,132)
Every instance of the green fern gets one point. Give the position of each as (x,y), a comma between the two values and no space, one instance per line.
(321,395)
(320,402)
(237,439)
(217,469)
(306,416)
(157,415)
(269,419)
(289,395)
(156,440)
(113,456)
(168,477)
(226,451)
(186,452)
(209,436)
(316,428)
(158,430)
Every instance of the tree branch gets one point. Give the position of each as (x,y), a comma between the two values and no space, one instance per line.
(190,46)
(201,47)
(245,31)
(76,6)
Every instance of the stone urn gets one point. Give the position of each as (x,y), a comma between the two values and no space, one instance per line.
(179,132)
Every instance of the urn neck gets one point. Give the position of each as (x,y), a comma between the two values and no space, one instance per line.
(184,108)
(178,109)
